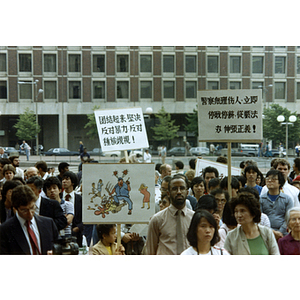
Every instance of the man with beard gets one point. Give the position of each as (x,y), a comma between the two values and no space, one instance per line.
(168,228)
(15,161)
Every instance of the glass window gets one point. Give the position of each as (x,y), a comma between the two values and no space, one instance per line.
(24,62)
(212,64)
(280,90)
(146,63)
(2,62)
(298,64)
(213,85)
(74,89)
(298,90)
(99,89)
(146,89)
(235,85)
(99,63)
(50,89)
(235,64)
(49,62)
(257,85)
(3,90)
(74,63)
(168,63)
(190,64)
(169,89)
(122,63)
(26,90)
(122,89)
(257,64)
(190,89)
(279,64)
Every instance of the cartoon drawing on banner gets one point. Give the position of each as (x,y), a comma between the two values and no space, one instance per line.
(143,190)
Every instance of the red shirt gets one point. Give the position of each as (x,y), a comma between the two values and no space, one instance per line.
(288,246)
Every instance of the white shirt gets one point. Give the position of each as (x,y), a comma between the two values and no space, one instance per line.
(38,205)
(72,196)
(213,251)
(34,227)
(19,172)
(147,157)
(287,189)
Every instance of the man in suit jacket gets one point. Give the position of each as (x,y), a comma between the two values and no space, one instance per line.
(69,184)
(47,207)
(26,233)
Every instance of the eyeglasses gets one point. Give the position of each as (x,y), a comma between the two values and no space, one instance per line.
(26,210)
(271,178)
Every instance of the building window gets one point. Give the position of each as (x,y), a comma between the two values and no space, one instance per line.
(235,64)
(122,89)
(168,64)
(212,64)
(190,89)
(146,89)
(24,62)
(213,85)
(235,85)
(279,90)
(279,64)
(169,89)
(99,63)
(2,62)
(122,63)
(257,64)
(146,63)
(49,62)
(99,89)
(26,90)
(3,90)
(74,63)
(50,89)
(190,64)
(298,90)
(298,64)
(74,90)
(257,85)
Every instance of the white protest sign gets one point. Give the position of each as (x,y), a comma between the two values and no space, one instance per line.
(121,129)
(118,193)
(230,115)
(222,168)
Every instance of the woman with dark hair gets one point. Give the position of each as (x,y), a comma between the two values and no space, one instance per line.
(198,187)
(249,238)
(203,235)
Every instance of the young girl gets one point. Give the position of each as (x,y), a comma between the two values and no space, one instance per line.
(203,235)
(107,234)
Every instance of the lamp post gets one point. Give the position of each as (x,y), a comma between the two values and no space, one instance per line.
(37,92)
(292,120)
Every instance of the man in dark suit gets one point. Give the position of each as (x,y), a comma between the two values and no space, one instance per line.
(26,233)
(47,207)
(69,183)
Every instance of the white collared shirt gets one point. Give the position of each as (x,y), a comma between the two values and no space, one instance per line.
(38,205)
(34,227)
(72,196)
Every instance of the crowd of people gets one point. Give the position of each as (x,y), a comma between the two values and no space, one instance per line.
(194,215)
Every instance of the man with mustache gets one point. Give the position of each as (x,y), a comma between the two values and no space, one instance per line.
(168,228)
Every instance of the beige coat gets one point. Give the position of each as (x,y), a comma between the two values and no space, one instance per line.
(100,249)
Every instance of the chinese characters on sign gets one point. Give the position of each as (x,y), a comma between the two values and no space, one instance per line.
(121,129)
(230,115)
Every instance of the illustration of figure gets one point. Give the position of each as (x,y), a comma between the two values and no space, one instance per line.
(143,190)
(122,190)
(99,186)
(95,191)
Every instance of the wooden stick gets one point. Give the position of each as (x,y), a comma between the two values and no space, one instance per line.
(229,168)
(126,156)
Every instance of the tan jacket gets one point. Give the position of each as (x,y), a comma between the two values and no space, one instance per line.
(236,241)
(100,249)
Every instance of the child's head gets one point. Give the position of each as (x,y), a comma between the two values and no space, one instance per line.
(107,232)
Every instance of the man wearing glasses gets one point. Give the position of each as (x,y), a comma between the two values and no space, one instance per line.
(26,233)
(275,204)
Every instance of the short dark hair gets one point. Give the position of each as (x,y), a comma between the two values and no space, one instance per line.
(183,177)
(207,202)
(281,161)
(197,180)
(12,157)
(50,181)
(214,182)
(251,190)
(222,159)
(251,168)
(192,232)
(220,191)
(73,178)
(19,178)
(179,164)
(241,179)
(9,167)
(210,169)
(41,164)
(37,181)
(178,177)
(167,179)
(62,165)
(22,195)
(234,183)
(228,217)
(157,167)
(192,163)
(4,161)
(280,176)
(248,200)
(104,229)
(9,185)
(297,163)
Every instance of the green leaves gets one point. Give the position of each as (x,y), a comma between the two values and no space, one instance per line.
(91,125)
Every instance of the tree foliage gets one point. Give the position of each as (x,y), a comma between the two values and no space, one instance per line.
(91,125)
(26,126)
(166,130)
(192,122)
(272,130)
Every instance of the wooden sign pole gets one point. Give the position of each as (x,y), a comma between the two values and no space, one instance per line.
(229,167)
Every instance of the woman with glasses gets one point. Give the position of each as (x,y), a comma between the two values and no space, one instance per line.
(249,238)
